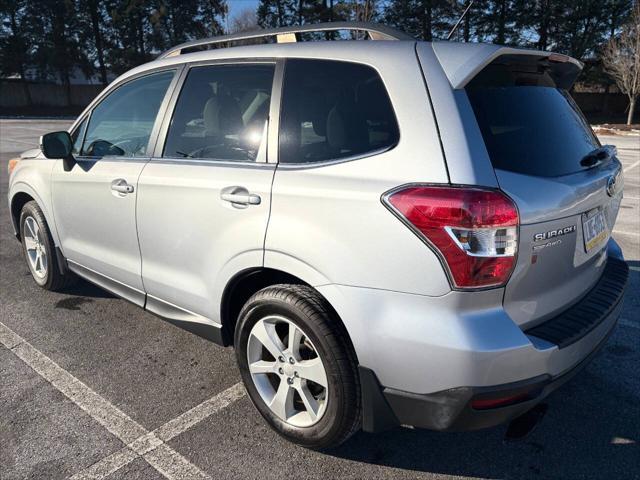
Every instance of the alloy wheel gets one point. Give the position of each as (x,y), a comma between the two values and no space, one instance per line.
(287,371)
(35,247)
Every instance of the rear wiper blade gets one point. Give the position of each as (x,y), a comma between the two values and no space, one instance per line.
(598,155)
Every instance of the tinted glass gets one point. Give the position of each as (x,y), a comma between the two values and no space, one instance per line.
(530,126)
(221,113)
(121,124)
(333,110)
(77,136)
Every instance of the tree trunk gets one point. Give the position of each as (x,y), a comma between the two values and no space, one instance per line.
(25,86)
(97,37)
(467,27)
(502,20)
(632,107)
(543,29)
(606,99)
(426,20)
(23,78)
(67,87)
(280,12)
(140,32)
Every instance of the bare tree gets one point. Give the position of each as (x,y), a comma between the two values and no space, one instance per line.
(364,10)
(245,20)
(621,59)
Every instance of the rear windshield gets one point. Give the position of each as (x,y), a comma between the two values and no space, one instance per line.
(529,126)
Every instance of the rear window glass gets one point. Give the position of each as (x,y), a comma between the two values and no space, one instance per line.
(529,126)
(333,110)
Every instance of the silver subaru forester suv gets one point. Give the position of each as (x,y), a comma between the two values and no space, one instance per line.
(388,232)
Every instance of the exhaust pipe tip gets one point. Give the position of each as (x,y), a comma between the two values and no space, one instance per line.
(519,428)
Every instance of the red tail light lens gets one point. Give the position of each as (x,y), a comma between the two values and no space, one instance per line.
(474,230)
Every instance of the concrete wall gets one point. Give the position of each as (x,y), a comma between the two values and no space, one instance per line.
(12,95)
(47,95)
(602,103)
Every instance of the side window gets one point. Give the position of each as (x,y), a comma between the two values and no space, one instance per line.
(77,136)
(121,124)
(333,110)
(221,113)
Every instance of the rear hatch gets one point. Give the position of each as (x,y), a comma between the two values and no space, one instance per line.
(539,144)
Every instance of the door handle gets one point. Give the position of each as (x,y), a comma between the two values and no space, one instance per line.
(239,196)
(120,185)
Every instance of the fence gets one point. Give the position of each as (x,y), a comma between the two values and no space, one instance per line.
(47,96)
(602,104)
(14,95)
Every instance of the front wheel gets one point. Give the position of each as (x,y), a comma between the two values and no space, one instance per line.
(298,366)
(39,250)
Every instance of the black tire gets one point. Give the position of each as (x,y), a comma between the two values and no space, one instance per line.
(304,307)
(53,280)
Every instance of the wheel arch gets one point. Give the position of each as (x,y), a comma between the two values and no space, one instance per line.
(244,284)
(18,201)
(21,193)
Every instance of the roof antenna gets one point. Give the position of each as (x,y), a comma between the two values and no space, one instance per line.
(453,30)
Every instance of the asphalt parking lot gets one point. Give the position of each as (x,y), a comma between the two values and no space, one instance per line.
(85,377)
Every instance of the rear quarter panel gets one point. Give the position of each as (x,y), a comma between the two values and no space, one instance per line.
(328,224)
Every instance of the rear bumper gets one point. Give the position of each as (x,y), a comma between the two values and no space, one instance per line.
(452,410)
(424,360)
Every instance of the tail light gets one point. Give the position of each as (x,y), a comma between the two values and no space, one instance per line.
(475,231)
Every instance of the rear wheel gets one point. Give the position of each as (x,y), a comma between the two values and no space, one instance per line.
(39,250)
(298,367)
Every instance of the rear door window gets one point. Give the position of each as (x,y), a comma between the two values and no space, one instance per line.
(221,113)
(333,110)
(529,125)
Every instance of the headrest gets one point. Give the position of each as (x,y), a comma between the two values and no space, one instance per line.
(222,115)
(347,127)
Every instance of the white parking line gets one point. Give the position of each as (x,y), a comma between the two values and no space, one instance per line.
(632,166)
(623,232)
(107,465)
(180,424)
(140,442)
(149,443)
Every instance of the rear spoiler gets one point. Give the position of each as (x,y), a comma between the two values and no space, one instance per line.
(463,61)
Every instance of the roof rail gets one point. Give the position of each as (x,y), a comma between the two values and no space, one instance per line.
(288,34)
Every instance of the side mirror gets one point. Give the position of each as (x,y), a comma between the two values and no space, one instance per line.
(58,145)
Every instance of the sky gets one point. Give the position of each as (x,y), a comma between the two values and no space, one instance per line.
(236,6)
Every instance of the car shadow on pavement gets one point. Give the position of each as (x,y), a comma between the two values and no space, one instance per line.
(580,437)
(83,288)
(591,430)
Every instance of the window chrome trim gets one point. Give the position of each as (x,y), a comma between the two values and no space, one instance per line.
(210,162)
(112,159)
(336,161)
